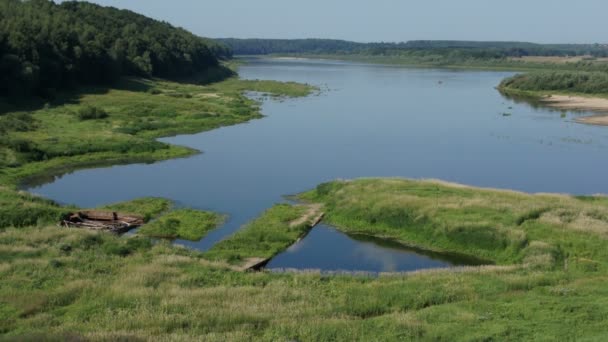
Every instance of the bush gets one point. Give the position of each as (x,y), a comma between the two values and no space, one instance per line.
(17,122)
(154,91)
(576,81)
(91,113)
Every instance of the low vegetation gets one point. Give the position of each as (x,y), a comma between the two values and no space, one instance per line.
(121,124)
(502,226)
(262,238)
(187,224)
(76,284)
(20,209)
(570,82)
(148,207)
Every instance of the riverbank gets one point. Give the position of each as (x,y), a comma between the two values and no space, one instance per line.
(66,283)
(439,61)
(549,282)
(562,99)
(495,225)
(59,137)
(566,102)
(580,103)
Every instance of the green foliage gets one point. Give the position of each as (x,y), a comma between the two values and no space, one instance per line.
(20,209)
(91,113)
(468,49)
(264,237)
(110,288)
(187,224)
(47,46)
(561,81)
(502,226)
(16,122)
(149,207)
(134,117)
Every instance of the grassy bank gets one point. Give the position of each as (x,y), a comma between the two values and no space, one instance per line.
(76,284)
(262,238)
(503,226)
(107,126)
(125,120)
(187,224)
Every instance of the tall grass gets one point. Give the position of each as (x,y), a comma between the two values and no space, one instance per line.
(74,284)
(262,238)
(185,224)
(501,226)
(125,120)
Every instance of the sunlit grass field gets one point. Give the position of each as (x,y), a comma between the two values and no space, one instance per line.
(63,283)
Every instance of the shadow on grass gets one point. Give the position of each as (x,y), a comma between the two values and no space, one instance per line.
(73,94)
(69,96)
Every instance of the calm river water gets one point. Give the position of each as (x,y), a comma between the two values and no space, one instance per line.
(370,121)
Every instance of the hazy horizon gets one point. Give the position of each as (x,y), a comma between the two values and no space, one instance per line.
(385,20)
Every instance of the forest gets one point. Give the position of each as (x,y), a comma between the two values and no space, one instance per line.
(470,49)
(46,47)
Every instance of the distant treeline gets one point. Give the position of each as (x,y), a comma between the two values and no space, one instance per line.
(466,49)
(46,46)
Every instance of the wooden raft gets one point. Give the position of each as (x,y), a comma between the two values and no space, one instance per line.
(102,220)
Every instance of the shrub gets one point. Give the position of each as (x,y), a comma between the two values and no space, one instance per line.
(154,91)
(17,122)
(91,113)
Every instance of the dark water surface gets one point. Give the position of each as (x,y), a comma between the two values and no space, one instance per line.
(325,248)
(373,121)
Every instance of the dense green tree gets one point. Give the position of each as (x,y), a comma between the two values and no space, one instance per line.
(460,49)
(46,46)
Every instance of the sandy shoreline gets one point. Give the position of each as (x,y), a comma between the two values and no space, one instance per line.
(594,104)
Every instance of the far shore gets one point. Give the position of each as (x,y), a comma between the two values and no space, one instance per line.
(593,104)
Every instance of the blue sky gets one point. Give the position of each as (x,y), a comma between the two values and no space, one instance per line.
(543,21)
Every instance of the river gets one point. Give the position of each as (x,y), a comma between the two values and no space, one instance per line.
(369,121)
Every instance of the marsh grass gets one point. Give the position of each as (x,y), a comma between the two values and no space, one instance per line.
(262,238)
(503,226)
(187,224)
(125,120)
(148,207)
(162,292)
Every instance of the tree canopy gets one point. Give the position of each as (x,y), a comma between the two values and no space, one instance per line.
(470,49)
(46,46)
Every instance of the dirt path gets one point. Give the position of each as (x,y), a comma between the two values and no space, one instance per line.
(312,216)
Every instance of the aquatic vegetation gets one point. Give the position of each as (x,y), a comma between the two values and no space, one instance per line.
(187,224)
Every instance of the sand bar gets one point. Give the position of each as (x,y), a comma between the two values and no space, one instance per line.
(594,104)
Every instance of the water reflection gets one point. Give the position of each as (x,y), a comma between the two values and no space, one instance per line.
(328,249)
